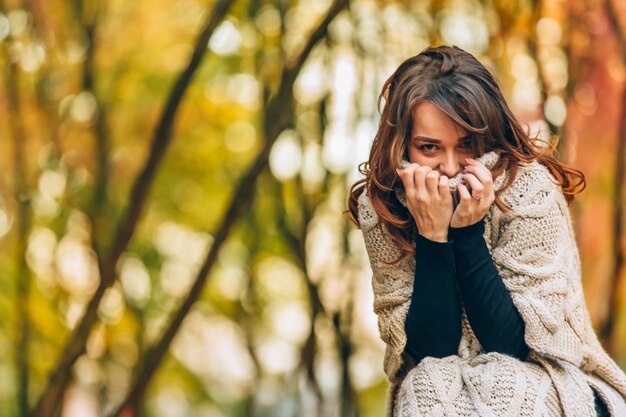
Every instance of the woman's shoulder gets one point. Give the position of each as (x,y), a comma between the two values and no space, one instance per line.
(534,185)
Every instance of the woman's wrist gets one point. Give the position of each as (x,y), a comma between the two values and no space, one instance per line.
(476,229)
(440,237)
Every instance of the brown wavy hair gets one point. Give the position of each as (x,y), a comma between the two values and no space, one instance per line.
(464,89)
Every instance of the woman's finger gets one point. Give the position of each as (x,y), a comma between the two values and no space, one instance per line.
(481,172)
(465,199)
(432,183)
(419,177)
(444,188)
(406,175)
(477,187)
(486,179)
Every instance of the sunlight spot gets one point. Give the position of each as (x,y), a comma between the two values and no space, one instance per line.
(616,68)
(83,108)
(77,267)
(32,57)
(4,27)
(170,402)
(466,31)
(18,22)
(80,402)
(96,342)
(323,245)
(290,321)
(526,95)
(555,110)
(40,252)
(268,20)
(311,84)
(555,67)
(523,67)
(230,281)
(226,39)
(279,279)
(111,307)
(286,156)
(245,90)
(363,368)
(5,223)
(176,278)
(135,280)
(75,51)
(72,312)
(87,370)
(52,184)
(45,207)
(337,151)
(226,362)
(313,172)
(277,356)
(344,86)
(182,243)
(548,31)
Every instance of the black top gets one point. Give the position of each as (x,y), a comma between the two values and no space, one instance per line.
(445,273)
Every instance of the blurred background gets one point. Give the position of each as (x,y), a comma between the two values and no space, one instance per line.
(173,177)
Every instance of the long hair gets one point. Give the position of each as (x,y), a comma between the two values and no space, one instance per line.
(460,86)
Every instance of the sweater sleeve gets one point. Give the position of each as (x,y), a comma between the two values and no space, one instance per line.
(538,261)
(433,324)
(490,310)
(392,283)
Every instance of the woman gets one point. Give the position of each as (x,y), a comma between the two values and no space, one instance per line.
(476,279)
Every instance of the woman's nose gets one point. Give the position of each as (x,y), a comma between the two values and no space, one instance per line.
(450,166)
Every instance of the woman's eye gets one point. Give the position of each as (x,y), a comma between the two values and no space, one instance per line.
(466,145)
(428,148)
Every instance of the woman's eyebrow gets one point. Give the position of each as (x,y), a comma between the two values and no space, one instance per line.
(433,140)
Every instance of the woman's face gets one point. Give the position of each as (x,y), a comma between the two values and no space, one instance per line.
(437,142)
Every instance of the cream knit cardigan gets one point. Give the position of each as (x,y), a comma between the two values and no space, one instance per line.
(535,252)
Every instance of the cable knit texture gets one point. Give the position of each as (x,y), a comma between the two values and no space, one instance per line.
(535,252)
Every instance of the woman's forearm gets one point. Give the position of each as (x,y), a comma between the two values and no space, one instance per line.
(433,323)
(490,310)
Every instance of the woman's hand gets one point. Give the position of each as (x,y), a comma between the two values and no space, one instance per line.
(473,208)
(429,200)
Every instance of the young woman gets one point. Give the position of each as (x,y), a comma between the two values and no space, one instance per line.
(476,272)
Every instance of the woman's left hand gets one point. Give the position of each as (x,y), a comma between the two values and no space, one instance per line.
(473,208)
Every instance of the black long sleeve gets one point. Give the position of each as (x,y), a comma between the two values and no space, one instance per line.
(490,310)
(433,320)
(433,323)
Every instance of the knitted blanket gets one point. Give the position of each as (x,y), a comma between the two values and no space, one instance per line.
(535,252)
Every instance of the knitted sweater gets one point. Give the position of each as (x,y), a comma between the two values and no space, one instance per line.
(535,252)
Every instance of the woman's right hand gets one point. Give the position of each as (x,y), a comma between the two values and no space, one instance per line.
(428,199)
